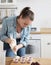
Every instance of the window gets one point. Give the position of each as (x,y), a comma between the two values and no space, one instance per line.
(3,1)
(10,1)
(6,1)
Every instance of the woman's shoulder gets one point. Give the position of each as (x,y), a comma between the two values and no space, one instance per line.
(9,20)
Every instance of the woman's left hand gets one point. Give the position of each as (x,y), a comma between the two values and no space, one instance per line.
(15,48)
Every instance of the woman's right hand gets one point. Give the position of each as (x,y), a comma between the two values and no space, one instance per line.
(13,43)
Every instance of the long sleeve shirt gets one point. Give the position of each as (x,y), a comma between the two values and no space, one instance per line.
(9,30)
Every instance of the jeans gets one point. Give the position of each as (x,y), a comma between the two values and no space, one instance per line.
(10,53)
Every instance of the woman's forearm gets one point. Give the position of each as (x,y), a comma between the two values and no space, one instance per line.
(8,40)
(17,47)
(20,46)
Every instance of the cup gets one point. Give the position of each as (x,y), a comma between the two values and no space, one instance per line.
(29,59)
(22,59)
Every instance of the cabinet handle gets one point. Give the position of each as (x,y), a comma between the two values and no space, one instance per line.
(48,43)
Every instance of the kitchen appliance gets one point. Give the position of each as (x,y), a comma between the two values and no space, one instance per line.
(35,29)
(34,49)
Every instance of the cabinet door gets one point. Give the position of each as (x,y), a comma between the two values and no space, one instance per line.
(46,45)
(35,36)
(1,46)
(2,57)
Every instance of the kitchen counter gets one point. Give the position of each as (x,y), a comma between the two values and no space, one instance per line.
(42,61)
(42,31)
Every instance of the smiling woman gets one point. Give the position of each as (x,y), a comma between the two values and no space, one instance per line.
(15,32)
(25,17)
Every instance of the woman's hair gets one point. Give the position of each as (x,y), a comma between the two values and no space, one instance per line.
(26,12)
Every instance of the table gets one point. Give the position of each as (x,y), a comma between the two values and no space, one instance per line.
(42,61)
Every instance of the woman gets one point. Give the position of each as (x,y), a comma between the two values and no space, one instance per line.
(15,32)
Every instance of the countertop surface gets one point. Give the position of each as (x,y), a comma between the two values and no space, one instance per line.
(42,31)
(41,61)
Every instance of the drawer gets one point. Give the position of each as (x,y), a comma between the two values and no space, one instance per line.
(35,36)
(46,39)
(46,45)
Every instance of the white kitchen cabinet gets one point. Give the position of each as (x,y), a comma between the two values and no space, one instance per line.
(6,10)
(46,45)
(2,54)
(1,45)
(35,41)
(2,57)
(7,1)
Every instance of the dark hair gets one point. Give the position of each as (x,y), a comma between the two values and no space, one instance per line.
(26,12)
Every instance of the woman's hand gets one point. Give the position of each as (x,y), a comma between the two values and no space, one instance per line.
(15,48)
(13,43)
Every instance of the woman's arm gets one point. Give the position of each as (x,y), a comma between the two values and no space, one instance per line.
(25,37)
(3,36)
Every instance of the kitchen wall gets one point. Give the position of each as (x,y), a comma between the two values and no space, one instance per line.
(42,10)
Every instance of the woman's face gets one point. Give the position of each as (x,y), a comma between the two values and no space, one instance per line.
(24,22)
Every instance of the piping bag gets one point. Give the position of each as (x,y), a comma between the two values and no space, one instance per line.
(13,44)
(16,58)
